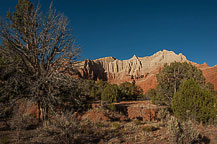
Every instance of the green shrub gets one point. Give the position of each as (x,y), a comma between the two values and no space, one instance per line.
(111,94)
(90,89)
(111,107)
(116,125)
(154,96)
(86,88)
(191,101)
(150,94)
(158,99)
(210,87)
(130,91)
(98,89)
(149,128)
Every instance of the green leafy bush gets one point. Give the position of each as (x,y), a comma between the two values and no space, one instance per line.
(111,94)
(85,87)
(98,89)
(115,125)
(191,101)
(154,96)
(90,89)
(111,107)
(130,91)
(210,87)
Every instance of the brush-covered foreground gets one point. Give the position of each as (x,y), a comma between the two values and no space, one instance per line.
(105,126)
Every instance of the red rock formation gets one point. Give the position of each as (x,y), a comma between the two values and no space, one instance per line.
(146,111)
(142,69)
(210,74)
(150,82)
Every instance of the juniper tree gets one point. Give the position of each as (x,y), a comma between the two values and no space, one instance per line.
(170,78)
(192,101)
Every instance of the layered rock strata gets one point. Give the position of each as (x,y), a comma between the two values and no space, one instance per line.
(142,70)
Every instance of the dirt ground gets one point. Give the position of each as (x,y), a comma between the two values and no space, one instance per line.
(116,132)
(112,127)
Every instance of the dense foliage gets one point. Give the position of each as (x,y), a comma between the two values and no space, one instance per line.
(151,94)
(111,94)
(191,101)
(93,90)
(98,89)
(130,91)
(170,78)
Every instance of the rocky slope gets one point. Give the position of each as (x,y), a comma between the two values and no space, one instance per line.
(141,69)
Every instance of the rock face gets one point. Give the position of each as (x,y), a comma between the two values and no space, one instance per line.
(145,111)
(210,74)
(141,69)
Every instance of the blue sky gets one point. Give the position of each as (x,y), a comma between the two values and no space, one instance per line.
(122,28)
